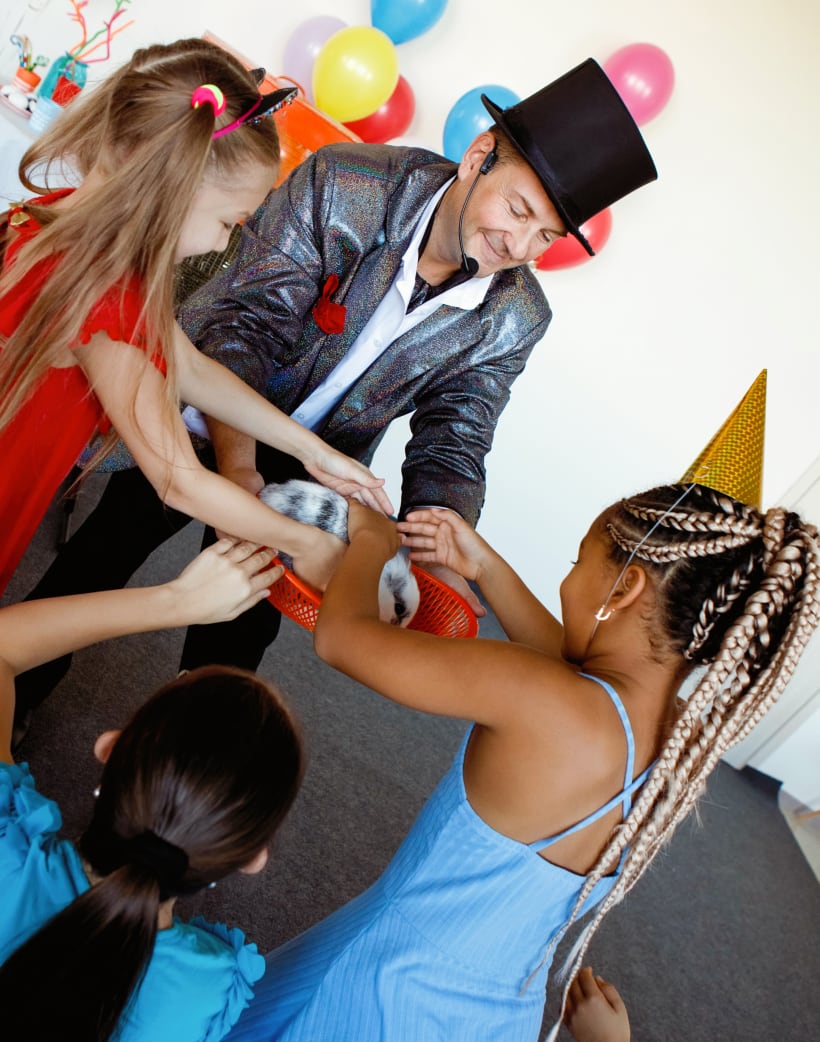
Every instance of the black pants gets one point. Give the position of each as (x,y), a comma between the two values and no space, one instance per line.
(127,525)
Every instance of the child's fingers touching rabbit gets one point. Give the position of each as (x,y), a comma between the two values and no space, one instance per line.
(225,580)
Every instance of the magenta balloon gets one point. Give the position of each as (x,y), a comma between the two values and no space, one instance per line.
(303,45)
(644,77)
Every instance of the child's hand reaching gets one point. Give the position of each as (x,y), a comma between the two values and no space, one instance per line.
(595,1011)
(442,537)
(223,581)
(348,477)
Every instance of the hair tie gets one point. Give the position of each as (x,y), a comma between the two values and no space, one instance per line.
(107,851)
(156,855)
(210,93)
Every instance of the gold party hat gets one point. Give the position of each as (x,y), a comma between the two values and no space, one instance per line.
(732,462)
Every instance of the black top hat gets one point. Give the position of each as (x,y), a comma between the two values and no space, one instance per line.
(582,142)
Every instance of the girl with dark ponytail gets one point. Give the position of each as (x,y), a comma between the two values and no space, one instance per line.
(582,759)
(192,790)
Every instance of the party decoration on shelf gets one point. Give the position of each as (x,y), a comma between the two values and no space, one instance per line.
(64,80)
(568,252)
(468,118)
(89,44)
(19,94)
(732,462)
(25,78)
(355,72)
(644,76)
(67,76)
(390,120)
(303,47)
(404,20)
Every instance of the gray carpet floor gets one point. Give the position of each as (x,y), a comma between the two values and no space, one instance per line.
(720,941)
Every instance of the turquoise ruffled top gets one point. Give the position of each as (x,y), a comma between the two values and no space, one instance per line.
(200,976)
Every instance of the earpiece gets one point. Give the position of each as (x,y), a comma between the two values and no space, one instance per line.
(489,162)
(600,614)
(469,265)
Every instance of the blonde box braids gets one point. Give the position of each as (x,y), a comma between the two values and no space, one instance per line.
(759,592)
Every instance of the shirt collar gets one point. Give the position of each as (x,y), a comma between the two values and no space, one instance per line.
(466,295)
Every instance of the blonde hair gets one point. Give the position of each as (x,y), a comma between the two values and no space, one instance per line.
(739,593)
(140,130)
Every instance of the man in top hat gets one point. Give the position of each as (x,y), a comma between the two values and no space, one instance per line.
(381,281)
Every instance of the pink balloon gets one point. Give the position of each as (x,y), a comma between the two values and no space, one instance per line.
(568,252)
(303,46)
(644,77)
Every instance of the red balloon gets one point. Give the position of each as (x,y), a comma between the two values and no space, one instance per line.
(566,253)
(390,120)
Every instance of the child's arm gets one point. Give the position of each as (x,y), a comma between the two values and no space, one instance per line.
(219,584)
(470,679)
(162,449)
(595,1011)
(443,537)
(223,397)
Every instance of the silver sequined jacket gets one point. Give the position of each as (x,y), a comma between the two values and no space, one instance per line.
(350,210)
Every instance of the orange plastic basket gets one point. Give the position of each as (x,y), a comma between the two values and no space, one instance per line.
(441,611)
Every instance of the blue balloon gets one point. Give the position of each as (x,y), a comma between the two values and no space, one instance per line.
(468,118)
(404,20)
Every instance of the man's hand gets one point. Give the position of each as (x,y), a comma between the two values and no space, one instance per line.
(246,477)
(444,544)
(249,479)
(458,584)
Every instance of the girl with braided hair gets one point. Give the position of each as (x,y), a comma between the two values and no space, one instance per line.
(192,790)
(581,761)
(171,152)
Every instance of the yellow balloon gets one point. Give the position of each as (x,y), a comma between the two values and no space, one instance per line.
(355,73)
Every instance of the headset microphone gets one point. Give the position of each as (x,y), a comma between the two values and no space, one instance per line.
(469,265)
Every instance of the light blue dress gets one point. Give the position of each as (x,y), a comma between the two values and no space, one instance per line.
(200,975)
(448,945)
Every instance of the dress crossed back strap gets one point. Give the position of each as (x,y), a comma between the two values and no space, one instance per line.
(624,797)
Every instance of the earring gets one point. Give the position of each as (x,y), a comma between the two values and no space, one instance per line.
(600,616)
(96,792)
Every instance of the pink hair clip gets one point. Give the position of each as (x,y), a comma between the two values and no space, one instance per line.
(211,94)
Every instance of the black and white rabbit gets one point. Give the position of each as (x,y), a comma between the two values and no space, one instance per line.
(314,504)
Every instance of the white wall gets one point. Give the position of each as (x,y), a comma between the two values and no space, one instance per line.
(707,277)
(785,742)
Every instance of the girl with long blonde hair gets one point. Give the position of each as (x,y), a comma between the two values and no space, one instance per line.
(172,151)
(581,761)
